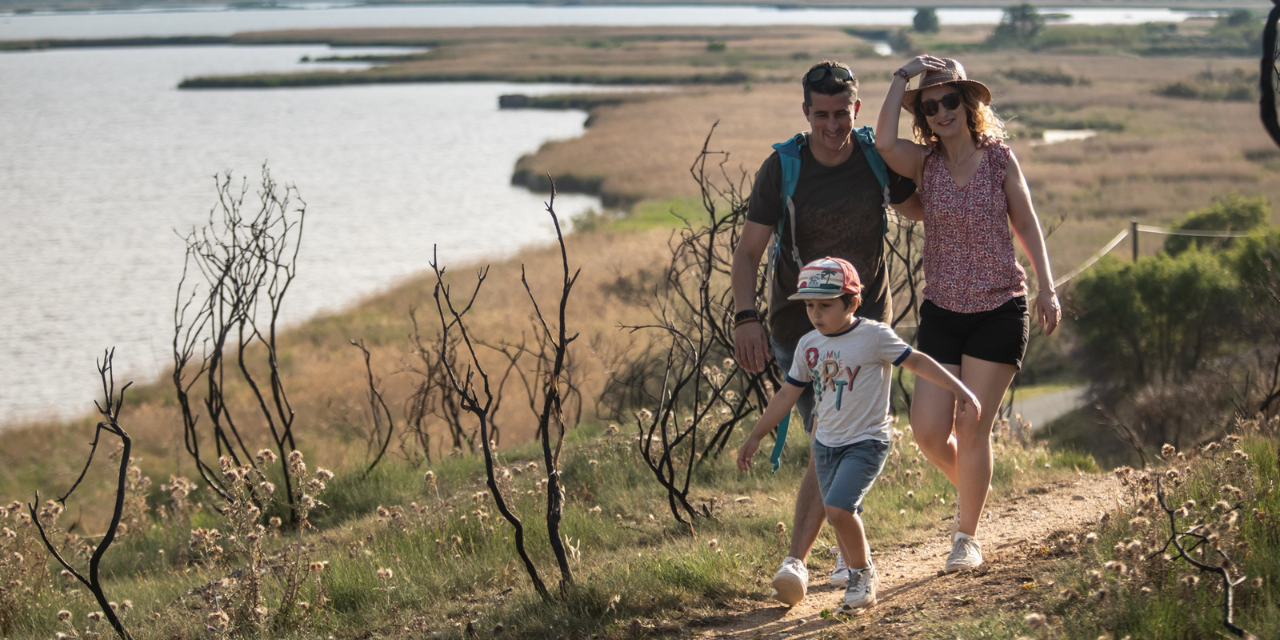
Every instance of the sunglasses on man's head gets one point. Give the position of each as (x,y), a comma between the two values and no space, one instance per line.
(930,107)
(839,73)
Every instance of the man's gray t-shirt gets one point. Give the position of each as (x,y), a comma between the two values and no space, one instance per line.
(839,213)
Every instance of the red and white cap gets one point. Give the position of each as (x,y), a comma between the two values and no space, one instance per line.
(827,278)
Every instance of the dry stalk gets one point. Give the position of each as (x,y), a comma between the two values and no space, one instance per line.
(111,425)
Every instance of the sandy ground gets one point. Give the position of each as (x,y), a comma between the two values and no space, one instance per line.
(912,596)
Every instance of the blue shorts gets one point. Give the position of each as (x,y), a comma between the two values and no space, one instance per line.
(846,473)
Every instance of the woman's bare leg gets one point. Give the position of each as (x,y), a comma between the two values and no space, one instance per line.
(989,381)
(933,410)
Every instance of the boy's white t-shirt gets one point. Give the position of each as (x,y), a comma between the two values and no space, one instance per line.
(851,374)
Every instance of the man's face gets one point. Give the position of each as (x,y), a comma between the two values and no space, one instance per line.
(831,119)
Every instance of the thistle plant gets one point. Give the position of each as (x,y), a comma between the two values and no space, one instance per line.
(238,604)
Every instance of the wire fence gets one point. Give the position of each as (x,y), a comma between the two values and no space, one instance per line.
(1132,231)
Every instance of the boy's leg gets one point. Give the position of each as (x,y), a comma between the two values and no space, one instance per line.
(856,470)
(851,536)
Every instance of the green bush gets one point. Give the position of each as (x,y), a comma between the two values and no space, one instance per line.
(1232,212)
(1154,320)
(1236,85)
(1044,76)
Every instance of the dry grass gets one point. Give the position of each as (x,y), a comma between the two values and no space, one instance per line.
(324,374)
(1168,157)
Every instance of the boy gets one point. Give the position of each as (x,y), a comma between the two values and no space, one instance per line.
(847,360)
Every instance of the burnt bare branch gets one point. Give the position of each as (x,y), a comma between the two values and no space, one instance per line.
(470,400)
(110,410)
(238,269)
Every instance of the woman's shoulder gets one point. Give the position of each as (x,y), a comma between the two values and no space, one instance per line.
(998,152)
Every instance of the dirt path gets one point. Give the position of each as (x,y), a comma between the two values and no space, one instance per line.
(912,596)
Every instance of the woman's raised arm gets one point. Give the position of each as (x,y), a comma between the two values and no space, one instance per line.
(903,156)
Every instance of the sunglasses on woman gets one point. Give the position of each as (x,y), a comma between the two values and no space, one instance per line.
(839,73)
(930,107)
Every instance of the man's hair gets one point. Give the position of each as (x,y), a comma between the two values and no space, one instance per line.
(829,85)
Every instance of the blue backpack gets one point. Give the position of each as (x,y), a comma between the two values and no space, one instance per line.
(789,154)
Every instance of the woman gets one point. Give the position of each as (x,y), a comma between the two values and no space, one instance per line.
(974,317)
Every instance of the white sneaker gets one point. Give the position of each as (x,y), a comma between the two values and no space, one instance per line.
(861,592)
(840,574)
(966,554)
(791,582)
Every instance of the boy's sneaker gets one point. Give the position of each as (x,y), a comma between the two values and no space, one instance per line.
(791,582)
(861,591)
(840,574)
(966,554)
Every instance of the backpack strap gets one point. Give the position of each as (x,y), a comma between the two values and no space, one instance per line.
(867,141)
(789,155)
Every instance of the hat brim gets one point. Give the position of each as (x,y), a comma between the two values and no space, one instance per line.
(815,295)
(909,98)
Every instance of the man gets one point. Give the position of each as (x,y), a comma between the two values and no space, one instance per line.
(838,211)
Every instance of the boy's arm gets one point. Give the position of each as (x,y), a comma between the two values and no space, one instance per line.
(779,406)
(929,369)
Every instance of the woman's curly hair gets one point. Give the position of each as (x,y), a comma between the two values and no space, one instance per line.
(984,126)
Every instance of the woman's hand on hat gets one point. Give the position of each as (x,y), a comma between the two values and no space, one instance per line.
(1048,310)
(921,64)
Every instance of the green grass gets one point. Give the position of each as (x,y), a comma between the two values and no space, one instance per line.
(452,557)
(654,214)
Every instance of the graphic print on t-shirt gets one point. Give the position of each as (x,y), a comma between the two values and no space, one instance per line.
(829,373)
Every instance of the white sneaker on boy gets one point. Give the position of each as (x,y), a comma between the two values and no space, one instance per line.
(840,574)
(791,582)
(861,591)
(966,554)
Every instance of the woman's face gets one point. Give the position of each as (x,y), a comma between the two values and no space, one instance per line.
(946,122)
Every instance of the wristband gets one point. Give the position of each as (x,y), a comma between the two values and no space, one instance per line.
(743,315)
(902,73)
(745,321)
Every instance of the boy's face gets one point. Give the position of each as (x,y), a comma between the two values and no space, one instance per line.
(831,315)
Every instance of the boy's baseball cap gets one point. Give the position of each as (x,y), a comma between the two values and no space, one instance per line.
(827,278)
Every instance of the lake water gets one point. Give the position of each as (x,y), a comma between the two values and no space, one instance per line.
(101,159)
(315,16)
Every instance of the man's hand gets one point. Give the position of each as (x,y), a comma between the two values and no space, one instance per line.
(751,347)
(747,452)
(750,344)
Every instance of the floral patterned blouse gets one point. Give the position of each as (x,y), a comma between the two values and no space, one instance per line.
(969,262)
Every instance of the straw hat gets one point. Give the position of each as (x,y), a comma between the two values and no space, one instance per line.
(953,73)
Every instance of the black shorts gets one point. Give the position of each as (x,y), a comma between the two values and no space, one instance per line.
(998,335)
